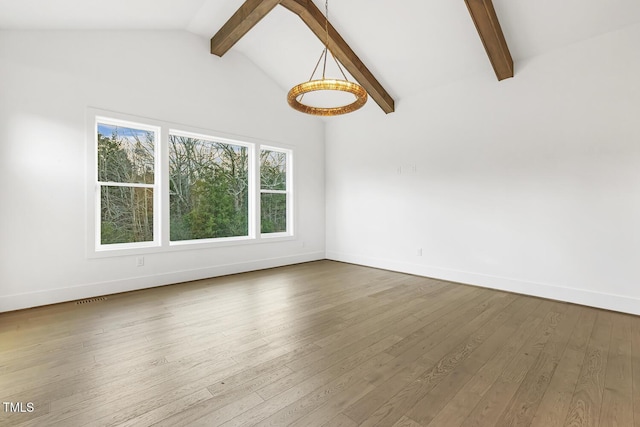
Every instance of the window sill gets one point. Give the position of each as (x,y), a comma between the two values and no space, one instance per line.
(190,245)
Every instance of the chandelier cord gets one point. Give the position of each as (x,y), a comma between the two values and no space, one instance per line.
(326,40)
(324,53)
(317,63)
(326,22)
(326,43)
(339,66)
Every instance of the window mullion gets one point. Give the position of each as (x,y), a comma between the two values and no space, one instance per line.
(257,195)
(164,187)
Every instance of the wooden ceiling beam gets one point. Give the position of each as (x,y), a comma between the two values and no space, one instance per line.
(315,20)
(486,22)
(249,14)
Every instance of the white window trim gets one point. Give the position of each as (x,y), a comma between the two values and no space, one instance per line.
(288,192)
(161,242)
(96,185)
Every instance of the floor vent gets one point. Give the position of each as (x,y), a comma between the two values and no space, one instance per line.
(87,301)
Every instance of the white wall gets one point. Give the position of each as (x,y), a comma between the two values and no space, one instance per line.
(47,81)
(531,184)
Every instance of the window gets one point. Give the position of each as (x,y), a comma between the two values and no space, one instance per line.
(126,183)
(159,187)
(208,187)
(274,191)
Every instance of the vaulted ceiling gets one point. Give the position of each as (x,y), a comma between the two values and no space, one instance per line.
(408,45)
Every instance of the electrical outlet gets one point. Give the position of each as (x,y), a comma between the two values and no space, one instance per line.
(140,261)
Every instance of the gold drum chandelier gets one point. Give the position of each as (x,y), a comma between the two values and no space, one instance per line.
(296,94)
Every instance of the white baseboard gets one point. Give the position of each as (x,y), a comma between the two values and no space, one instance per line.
(607,301)
(53,296)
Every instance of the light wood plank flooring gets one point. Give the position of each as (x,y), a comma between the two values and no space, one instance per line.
(320,344)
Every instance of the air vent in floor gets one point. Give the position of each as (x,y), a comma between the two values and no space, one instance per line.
(87,301)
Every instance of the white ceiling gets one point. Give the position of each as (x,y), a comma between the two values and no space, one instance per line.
(407,44)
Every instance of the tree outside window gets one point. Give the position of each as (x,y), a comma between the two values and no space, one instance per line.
(209,189)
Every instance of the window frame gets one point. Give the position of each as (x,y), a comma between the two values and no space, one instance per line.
(98,185)
(251,232)
(288,192)
(161,242)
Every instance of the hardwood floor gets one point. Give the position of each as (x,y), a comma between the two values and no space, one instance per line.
(320,344)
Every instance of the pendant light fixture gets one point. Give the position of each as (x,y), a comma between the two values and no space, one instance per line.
(323,84)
